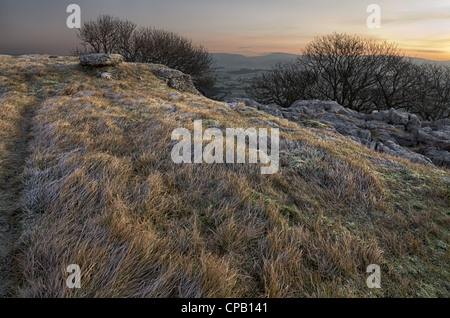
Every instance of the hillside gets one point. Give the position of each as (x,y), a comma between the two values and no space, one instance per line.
(234,71)
(237,61)
(87,179)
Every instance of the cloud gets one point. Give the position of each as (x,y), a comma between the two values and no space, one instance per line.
(424,50)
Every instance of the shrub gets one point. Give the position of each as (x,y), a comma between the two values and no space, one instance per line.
(283,85)
(109,34)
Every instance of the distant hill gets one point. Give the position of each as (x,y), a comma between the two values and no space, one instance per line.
(423,61)
(237,61)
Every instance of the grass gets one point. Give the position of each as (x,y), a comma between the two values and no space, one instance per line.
(99,189)
(16,107)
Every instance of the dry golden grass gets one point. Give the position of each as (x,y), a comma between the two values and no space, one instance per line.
(16,108)
(99,190)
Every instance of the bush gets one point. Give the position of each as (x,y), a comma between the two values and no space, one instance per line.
(393,84)
(110,34)
(283,85)
(430,92)
(168,48)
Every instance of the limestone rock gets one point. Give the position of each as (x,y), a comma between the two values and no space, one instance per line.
(397,133)
(175,79)
(398,118)
(394,149)
(274,110)
(106,75)
(99,60)
(439,156)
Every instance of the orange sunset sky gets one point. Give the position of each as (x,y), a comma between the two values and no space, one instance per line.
(248,27)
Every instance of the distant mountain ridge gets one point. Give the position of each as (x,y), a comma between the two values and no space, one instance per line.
(237,61)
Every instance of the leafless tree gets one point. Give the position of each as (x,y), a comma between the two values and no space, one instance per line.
(106,34)
(171,49)
(346,67)
(109,34)
(430,91)
(283,85)
(393,83)
(360,74)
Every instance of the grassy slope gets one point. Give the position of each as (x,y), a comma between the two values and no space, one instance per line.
(16,109)
(99,190)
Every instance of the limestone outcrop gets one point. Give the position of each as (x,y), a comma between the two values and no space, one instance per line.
(397,133)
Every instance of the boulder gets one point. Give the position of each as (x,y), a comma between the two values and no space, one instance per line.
(382,116)
(99,60)
(413,124)
(439,156)
(398,118)
(175,79)
(394,149)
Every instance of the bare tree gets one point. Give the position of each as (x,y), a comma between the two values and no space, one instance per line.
(346,67)
(283,85)
(173,50)
(430,91)
(360,74)
(394,81)
(106,34)
(109,34)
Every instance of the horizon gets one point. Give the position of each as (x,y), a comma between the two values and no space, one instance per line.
(250,28)
(238,54)
(270,53)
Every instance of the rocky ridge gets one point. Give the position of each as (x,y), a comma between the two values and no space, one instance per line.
(393,132)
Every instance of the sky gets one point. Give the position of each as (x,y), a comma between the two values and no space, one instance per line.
(248,27)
